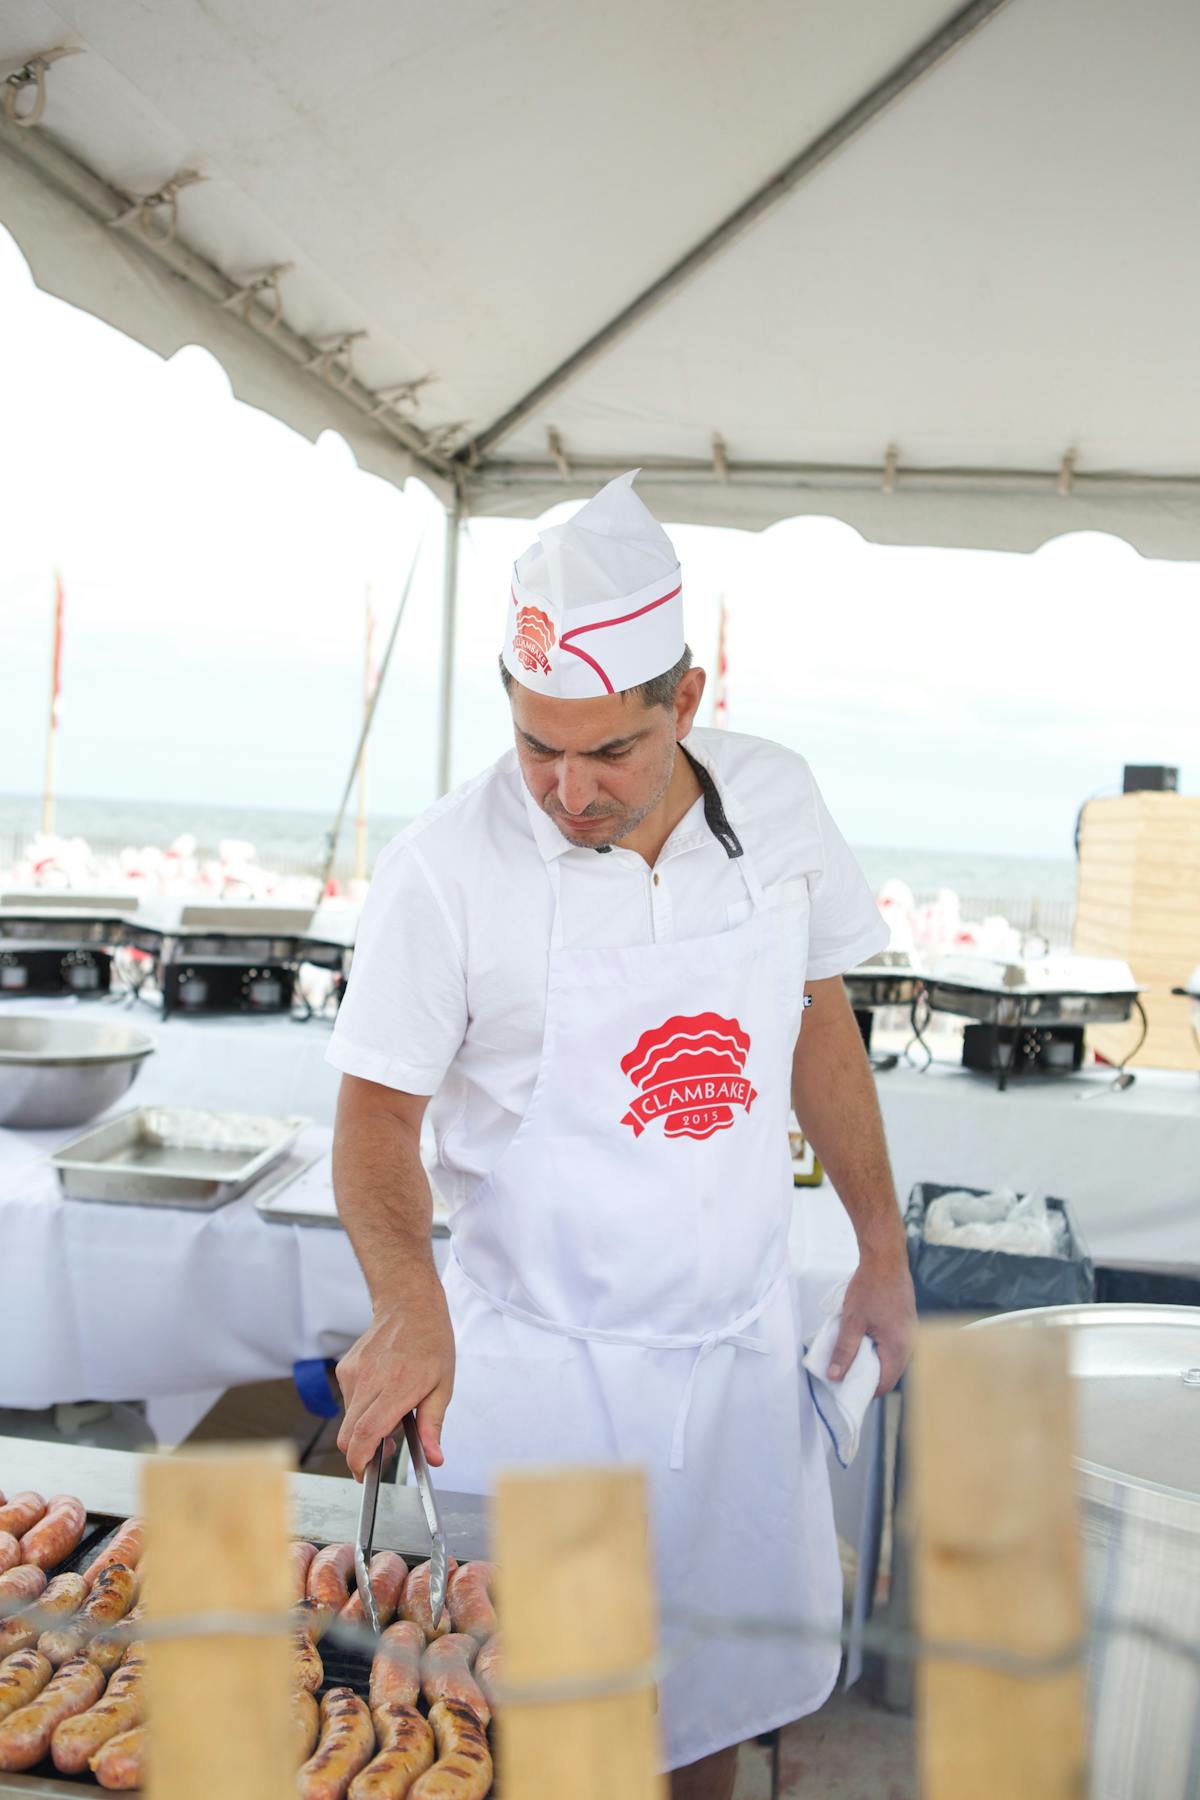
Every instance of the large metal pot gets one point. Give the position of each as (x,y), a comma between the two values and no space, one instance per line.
(61,1070)
(1137,1381)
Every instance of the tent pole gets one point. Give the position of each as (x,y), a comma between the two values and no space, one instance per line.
(454,515)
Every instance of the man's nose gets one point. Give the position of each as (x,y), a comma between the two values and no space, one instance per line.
(576,786)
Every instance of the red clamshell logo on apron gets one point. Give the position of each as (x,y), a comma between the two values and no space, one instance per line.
(690,1074)
(533,639)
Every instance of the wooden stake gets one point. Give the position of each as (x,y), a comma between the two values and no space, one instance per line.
(218,1709)
(576,1597)
(997,1563)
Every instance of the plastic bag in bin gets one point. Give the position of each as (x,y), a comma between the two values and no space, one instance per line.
(952,1277)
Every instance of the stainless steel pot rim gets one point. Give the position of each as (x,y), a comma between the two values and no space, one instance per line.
(1095,1317)
(88,1050)
(80,1059)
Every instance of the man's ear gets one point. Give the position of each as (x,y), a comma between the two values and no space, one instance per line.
(688,696)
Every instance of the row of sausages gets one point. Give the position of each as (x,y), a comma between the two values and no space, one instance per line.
(325,1583)
(66,1690)
(69,1693)
(384,1748)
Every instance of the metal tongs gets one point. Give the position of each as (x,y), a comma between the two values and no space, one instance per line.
(439,1556)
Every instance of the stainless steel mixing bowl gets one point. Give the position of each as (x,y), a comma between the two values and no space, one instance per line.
(61,1070)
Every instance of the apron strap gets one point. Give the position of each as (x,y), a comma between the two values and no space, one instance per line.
(735,1333)
(707,1345)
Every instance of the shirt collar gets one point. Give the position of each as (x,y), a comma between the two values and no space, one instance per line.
(551,842)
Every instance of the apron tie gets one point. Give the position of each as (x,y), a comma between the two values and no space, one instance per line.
(706,1346)
(734,1333)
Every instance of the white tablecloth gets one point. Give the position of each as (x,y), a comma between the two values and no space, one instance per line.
(131,1302)
(110,1302)
(1127,1162)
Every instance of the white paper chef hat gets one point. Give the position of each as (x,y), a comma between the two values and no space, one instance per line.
(596,604)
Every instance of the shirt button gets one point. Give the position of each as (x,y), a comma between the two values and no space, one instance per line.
(657,879)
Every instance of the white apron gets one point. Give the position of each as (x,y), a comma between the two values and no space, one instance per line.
(620,1291)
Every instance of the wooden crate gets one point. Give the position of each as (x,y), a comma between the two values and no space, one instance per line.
(1139,899)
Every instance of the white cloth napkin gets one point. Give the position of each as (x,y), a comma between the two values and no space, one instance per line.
(841,1405)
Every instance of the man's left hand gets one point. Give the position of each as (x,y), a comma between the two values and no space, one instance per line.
(879,1304)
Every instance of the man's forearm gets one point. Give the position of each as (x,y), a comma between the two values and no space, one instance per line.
(833,1094)
(384,1200)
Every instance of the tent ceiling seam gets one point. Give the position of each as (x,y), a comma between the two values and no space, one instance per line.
(108,206)
(863,112)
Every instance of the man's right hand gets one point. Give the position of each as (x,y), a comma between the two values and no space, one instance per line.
(403,1361)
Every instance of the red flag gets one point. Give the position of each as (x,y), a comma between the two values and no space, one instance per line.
(721,708)
(56,663)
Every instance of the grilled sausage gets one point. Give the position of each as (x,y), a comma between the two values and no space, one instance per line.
(77,1740)
(302,1555)
(487,1669)
(109,1650)
(22,1513)
(10,1552)
(125,1548)
(25,1735)
(387,1575)
(61,1598)
(331,1576)
(108,1602)
(121,1763)
(405,1742)
(308,1671)
(396,1667)
(345,1746)
(446,1675)
(415,1604)
(306,1720)
(56,1533)
(22,1678)
(463,1770)
(469,1598)
(20,1587)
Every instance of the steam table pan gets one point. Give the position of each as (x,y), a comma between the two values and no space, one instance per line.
(173,1156)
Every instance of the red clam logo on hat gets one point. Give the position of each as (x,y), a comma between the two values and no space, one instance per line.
(533,639)
(690,1074)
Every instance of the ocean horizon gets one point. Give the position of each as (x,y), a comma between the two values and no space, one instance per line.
(293,840)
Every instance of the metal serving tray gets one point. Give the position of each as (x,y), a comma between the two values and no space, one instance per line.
(1027,1006)
(301,1193)
(173,1156)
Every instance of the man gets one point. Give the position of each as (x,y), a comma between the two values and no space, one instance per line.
(596,956)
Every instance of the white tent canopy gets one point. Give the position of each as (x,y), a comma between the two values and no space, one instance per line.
(931,270)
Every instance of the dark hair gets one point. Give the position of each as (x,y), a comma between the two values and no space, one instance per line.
(660,690)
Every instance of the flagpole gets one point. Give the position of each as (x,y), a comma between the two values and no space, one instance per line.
(360,823)
(52,725)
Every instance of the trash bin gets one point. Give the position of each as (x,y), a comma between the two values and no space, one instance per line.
(952,1278)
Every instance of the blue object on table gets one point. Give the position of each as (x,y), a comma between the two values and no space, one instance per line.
(314,1384)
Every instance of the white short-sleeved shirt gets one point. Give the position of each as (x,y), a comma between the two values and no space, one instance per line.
(447,994)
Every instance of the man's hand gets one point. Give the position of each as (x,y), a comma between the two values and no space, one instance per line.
(404,1359)
(879,1304)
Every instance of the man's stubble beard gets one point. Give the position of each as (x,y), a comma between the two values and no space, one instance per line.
(627,824)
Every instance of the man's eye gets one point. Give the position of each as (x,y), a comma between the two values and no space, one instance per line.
(617,755)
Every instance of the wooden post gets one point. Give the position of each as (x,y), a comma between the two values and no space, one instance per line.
(218,1707)
(997,1563)
(577,1600)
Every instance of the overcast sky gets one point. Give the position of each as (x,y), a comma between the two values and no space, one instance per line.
(216,566)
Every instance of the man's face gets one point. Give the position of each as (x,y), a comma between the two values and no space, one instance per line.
(598,767)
